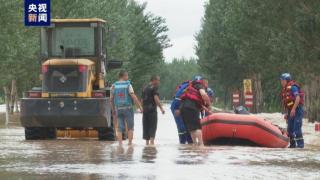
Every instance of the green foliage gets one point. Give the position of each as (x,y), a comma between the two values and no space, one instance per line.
(134,36)
(19,47)
(267,37)
(174,73)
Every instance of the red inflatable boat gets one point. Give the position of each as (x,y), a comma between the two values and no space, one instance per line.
(238,129)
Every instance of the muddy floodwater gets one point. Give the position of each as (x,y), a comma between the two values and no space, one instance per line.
(91,159)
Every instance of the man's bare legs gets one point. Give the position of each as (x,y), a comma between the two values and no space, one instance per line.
(197,137)
(130,137)
(152,141)
(119,137)
(194,137)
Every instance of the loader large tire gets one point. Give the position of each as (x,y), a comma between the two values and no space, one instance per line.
(106,134)
(36,133)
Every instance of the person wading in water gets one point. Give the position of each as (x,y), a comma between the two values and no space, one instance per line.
(150,101)
(293,101)
(122,98)
(183,133)
(193,101)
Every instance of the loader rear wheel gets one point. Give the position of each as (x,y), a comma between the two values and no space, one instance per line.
(106,134)
(35,133)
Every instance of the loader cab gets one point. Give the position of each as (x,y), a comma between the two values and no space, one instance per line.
(73,57)
(73,38)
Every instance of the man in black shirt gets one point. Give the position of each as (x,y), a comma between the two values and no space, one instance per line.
(150,101)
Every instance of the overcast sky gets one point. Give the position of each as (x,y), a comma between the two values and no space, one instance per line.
(183,18)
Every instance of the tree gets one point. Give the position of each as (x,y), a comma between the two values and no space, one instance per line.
(174,73)
(134,36)
(260,40)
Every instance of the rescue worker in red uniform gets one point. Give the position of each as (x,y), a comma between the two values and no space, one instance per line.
(193,101)
(293,101)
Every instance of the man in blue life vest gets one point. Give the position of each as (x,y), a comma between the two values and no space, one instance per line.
(293,101)
(122,97)
(184,135)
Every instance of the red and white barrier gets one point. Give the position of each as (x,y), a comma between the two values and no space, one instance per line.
(236,99)
(248,99)
(317,127)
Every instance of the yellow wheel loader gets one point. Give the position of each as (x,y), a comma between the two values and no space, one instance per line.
(73,100)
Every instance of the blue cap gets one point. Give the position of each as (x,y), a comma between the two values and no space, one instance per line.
(210,92)
(285,76)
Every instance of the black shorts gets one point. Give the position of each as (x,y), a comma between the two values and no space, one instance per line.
(191,118)
(149,123)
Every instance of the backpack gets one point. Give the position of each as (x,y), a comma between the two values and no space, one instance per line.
(121,94)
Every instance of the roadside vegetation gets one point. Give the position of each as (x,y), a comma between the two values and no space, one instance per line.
(238,39)
(134,36)
(260,40)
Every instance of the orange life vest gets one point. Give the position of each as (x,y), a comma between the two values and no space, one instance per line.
(288,98)
(193,94)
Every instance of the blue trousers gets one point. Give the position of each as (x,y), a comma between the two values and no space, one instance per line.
(184,135)
(125,116)
(295,128)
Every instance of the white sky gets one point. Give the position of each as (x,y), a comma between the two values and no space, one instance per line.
(183,17)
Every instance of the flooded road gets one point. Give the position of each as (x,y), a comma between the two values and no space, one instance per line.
(91,159)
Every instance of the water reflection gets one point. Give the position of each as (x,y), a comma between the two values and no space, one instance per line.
(122,154)
(149,154)
(91,159)
(189,154)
